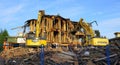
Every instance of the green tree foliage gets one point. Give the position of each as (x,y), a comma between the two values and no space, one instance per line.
(3,34)
(97,32)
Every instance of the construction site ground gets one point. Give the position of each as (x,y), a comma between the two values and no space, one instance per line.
(79,56)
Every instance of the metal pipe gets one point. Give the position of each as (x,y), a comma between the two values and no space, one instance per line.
(42,55)
(108,54)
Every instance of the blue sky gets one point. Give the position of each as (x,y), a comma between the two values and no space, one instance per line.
(106,12)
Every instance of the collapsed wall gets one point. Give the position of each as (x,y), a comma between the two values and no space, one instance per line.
(57,29)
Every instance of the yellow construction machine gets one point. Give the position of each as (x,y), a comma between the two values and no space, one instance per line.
(90,38)
(36,40)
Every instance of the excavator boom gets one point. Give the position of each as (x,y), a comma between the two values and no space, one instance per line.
(90,35)
(36,41)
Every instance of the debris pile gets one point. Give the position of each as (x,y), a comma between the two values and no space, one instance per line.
(30,56)
(85,56)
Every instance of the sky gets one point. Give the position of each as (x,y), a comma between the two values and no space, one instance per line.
(14,13)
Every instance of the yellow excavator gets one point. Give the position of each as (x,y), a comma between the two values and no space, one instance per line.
(36,40)
(90,38)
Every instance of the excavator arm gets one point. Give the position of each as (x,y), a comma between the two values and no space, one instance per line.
(36,40)
(87,28)
(90,35)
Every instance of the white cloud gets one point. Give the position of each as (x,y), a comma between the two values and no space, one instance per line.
(109,27)
(98,13)
(73,11)
(55,3)
(10,10)
(7,15)
(110,23)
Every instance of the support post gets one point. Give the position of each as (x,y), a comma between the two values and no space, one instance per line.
(42,55)
(108,54)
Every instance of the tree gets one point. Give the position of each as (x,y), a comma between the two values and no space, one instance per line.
(3,34)
(97,32)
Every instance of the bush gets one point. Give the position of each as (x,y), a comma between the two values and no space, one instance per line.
(3,34)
